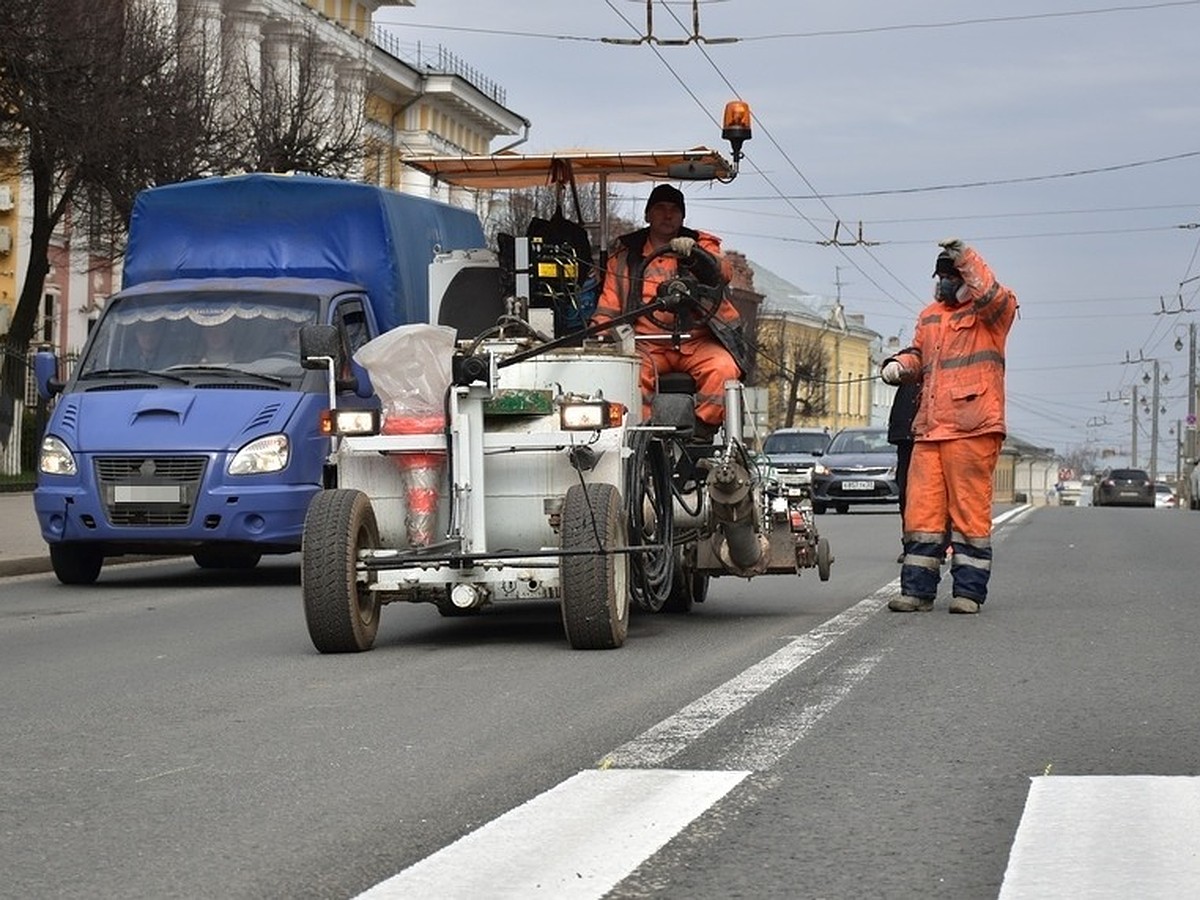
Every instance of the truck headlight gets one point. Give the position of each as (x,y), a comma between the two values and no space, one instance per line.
(266,454)
(54,458)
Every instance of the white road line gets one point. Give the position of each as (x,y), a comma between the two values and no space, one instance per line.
(659,743)
(1107,836)
(575,842)
(759,749)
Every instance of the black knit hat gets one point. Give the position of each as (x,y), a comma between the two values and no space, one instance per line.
(665,193)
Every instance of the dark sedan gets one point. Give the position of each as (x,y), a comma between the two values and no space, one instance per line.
(858,468)
(1124,487)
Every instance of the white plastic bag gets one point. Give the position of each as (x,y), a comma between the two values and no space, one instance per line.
(410,368)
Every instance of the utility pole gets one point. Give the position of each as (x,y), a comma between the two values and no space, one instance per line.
(1133,437)
(1154,429)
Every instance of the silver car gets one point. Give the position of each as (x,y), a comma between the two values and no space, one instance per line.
(858,468)
(792,453)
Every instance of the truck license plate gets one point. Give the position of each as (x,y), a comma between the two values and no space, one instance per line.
(858,485)
(146,493)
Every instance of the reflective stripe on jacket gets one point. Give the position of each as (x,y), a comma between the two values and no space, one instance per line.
(959,353)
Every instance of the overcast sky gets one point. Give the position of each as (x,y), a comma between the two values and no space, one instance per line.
(1061,138)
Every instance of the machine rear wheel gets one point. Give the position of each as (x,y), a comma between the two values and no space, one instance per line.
(341,611)
(824,559)
(76,563)
(595,586)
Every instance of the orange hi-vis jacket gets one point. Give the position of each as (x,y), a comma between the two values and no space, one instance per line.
(958,355)
(614,298)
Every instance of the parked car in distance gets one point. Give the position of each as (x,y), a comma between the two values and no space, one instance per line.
(1164,496)
(859,467)
(792,452)
(1123,487)
(1070,492)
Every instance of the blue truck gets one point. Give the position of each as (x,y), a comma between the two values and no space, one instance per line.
(188,425)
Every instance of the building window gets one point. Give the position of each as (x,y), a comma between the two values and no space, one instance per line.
(49,317)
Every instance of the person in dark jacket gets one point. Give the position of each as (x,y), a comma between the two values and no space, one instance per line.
(900,435)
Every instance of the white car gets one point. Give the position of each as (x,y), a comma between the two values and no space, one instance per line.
(1164,496)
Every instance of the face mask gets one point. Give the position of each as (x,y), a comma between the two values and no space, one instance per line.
(947,290)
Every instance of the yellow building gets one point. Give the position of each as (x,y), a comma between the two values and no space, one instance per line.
(814,359)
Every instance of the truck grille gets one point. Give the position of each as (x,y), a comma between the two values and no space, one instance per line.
(149,490)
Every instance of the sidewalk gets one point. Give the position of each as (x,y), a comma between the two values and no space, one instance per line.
(22,550)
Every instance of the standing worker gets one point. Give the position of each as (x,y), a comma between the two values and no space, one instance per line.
(958,357)
(713,353)
(900,436)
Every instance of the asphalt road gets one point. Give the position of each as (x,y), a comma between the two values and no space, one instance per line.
(171,732)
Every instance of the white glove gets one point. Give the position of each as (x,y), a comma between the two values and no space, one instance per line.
(892,372)
(953,247)
(683,245)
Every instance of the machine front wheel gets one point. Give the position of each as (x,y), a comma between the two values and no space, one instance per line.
(595,586)
(341,611)
(824,559)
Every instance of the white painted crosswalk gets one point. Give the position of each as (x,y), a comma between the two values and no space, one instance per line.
(1095,837)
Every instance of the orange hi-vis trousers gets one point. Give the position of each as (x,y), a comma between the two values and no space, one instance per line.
(950,482)
(709,364)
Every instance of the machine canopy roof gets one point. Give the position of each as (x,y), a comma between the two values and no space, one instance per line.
(516,170)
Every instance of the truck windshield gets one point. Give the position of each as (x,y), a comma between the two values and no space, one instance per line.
(257,334)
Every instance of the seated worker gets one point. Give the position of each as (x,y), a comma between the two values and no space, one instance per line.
(709,355)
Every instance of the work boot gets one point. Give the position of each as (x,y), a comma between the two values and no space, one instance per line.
(910,604)
(963,605)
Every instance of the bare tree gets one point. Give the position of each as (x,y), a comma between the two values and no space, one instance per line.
(300,109)
(57,59)
(101,100)
(799,362)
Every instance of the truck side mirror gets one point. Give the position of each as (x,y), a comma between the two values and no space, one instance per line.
(318,344)
(45,371)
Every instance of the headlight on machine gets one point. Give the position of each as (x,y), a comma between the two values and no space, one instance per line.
(590,415)
(266,454)
(350,421)
(54,458)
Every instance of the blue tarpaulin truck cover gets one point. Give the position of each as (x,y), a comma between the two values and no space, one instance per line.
(266,225)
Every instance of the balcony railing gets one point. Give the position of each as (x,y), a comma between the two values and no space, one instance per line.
(437,60)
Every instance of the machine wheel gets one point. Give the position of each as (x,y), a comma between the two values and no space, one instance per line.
(842,508)
(218,557)
(342,614)
(824,559)
(595,587)
(688,587)
(76,563)
(819,508)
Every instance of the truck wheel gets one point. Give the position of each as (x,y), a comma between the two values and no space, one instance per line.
(218,557)
(76,563)
(595,586)
(342,613)
(824,559)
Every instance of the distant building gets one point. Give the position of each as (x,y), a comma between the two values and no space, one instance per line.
(816,360)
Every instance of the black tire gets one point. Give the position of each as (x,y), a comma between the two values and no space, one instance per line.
(842,508)
(214,556)
(595,586)
(76,563)
(688,587)
(824,559)
(341,612)
(819,508)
